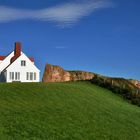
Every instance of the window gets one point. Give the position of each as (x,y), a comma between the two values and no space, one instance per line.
(27,76)
(10,76)
(34,76)
(31,76)
(14,76)
(23,63)
(18,75)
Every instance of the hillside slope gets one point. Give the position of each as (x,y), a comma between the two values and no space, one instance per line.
(65,111)
(128,88)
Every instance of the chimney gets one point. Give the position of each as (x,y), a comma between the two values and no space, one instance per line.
(17,51)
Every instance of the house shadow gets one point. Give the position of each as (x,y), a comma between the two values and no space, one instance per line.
(2,77)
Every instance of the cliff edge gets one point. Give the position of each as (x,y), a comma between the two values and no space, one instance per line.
(54,73)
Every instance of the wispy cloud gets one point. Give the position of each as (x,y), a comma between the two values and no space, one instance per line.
(61,47)
(63,14)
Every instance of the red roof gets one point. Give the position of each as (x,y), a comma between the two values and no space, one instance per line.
(32,59)
(3,57)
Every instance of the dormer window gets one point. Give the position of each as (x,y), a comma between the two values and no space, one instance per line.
(23,63)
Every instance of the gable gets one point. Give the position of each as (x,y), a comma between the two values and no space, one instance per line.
(16,65)
(11,60)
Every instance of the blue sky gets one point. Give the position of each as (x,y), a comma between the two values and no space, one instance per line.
(100,36)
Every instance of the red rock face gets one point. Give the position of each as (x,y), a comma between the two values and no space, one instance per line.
(57,74)
(138,85)
(135,83)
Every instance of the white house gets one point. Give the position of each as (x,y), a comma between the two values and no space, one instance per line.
(17,67)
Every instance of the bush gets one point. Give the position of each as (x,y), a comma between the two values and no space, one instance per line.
(118,86)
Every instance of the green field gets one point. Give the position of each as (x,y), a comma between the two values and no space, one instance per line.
(65,111)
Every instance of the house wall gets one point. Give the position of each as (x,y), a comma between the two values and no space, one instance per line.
(16,67)
(3,65)
(6,62)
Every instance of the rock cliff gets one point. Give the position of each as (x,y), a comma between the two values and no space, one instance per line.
(135,83)
(57,74)
(54,73)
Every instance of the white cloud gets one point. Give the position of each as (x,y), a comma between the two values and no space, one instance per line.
(63,14)
(61,47)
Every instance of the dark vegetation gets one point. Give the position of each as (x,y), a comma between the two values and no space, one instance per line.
(120,86)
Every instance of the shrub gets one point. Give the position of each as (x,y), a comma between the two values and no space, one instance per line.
(119,86)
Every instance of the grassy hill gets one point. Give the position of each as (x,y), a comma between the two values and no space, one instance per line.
(65,111)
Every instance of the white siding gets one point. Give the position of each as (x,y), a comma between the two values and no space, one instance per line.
(6,61)
(16,67)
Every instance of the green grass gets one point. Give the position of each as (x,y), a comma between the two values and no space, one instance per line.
(65,111)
